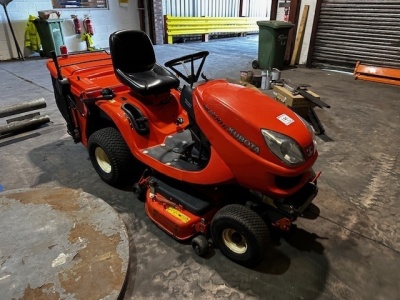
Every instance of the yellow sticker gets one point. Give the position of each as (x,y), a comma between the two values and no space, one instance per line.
(176,213)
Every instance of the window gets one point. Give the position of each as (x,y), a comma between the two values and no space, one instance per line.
(88,4)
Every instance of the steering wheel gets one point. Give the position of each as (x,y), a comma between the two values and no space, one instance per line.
(193,76)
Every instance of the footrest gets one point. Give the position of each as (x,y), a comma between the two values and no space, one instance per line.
(189,202)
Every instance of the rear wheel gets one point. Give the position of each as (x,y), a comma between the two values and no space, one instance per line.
(110,156)
(240,234)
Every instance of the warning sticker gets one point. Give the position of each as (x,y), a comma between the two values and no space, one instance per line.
(285,119)
(176,213)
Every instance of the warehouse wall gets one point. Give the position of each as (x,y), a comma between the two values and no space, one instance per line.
(105,21)
(308,29)
(220,8)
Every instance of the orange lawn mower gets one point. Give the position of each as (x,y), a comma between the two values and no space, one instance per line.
(224,163)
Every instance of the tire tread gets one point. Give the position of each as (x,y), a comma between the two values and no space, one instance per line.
(251,221)
(121,158)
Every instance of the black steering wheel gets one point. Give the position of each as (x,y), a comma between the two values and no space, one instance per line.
(193,76)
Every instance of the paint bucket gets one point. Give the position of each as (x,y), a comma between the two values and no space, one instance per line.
(266,78)
(275,74)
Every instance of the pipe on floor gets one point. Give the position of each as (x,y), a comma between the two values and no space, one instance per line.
(24,125)
(22,107)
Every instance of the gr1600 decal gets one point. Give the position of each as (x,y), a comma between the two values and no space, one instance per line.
(285,119)
(232,131)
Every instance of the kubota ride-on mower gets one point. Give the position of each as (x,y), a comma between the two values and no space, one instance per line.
(224,163)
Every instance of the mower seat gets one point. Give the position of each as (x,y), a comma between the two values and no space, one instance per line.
(134,63)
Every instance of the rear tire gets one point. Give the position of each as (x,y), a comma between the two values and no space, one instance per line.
(110,156)
(241,234)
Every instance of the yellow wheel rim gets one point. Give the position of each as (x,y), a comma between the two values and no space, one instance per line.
(102,160)
(234,241)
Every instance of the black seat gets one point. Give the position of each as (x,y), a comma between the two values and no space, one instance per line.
(135,64)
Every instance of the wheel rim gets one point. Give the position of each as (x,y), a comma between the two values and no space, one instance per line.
(102,160)
(234,241)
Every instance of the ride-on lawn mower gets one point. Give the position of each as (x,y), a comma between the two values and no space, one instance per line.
(224,163)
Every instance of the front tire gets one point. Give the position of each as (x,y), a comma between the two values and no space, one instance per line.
(200,245)
(240,234)
(110,156)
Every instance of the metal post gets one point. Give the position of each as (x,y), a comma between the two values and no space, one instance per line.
(4,4)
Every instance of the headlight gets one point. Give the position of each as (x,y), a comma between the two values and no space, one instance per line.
(309,127)
(310,130)
(283,147)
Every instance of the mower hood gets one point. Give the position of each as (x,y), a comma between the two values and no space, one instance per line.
(244,113)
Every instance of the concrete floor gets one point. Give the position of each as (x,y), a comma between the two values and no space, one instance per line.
(350,251)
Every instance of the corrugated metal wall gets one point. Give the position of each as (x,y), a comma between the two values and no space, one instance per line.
(198,8)
(256,8)
(215,8)
(363,30)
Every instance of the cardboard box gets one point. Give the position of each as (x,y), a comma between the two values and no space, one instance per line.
(285,96)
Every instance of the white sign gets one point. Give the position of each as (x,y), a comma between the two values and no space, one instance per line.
(285,119)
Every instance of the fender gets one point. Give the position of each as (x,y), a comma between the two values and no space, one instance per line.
(113,110)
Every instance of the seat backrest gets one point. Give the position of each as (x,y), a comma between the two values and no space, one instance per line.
(131,51)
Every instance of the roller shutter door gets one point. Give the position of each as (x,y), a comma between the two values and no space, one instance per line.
(351,31)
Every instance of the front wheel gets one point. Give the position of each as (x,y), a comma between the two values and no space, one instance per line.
(110,156)
(240,234)
(200,245)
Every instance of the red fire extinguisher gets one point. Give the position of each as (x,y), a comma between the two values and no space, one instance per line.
(77,25)
(87,23)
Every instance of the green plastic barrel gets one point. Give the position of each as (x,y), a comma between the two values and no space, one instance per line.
(51,35)
(272,42)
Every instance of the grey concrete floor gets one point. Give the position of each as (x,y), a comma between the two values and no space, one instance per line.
(350,251)
(60,243)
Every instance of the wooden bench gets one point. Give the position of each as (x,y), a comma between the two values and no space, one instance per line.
(204,26)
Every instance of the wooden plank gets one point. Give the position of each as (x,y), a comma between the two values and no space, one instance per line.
(300,35)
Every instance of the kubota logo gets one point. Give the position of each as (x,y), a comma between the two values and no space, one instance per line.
(232,131)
